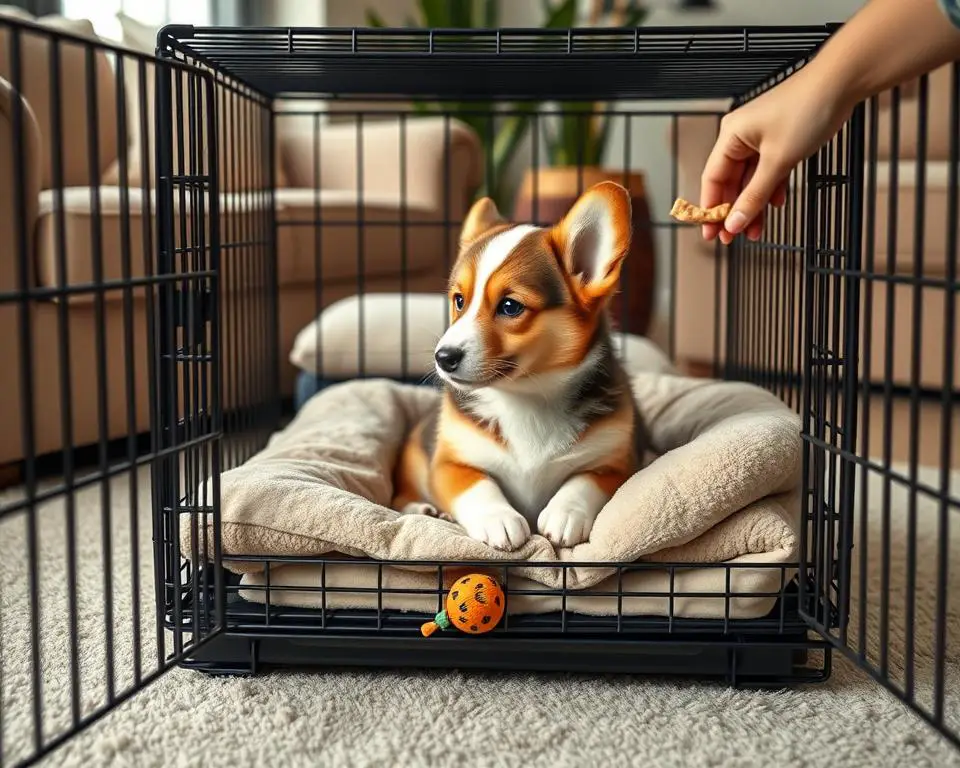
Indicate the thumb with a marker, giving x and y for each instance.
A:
(768, 175)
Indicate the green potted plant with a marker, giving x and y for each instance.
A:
(509, 130)
(575, 142)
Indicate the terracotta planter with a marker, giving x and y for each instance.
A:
(556, 190)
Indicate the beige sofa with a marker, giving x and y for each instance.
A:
(65, 326)
(696, 261)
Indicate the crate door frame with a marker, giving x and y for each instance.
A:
(189, 423)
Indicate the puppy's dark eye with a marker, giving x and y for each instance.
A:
(509, 308)
(458, 301)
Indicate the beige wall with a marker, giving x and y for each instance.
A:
(304, 13)
(352, 13)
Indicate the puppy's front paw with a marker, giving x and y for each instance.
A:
(419, 508)
(565, 526)
(501, 527)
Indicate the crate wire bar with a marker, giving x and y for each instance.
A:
(167, 341)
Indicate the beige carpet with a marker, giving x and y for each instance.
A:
(388, 718)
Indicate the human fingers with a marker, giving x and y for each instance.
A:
(711, 194)
(769, 175)
(730, 191)
(780, 195)
(721, 175)
(755, 228)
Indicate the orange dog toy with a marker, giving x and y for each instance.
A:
(474, 605)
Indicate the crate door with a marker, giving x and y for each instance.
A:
(217, 333)
(189, 406)
(881, 404)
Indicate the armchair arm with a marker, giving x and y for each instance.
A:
(431, 151)
(26, 145)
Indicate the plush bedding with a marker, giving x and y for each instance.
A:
(721, 488)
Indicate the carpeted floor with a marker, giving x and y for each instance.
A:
(359, 718)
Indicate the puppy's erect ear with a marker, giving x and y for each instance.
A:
(483, 215)
(593, 240)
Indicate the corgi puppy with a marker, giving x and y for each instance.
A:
(537, 426)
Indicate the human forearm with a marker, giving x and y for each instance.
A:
(886, 43)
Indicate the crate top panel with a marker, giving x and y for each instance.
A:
(503, 64)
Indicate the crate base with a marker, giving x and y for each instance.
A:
(742, 662)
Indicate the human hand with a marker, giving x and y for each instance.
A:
(760, 144)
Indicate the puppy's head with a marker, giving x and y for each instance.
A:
(527, 300)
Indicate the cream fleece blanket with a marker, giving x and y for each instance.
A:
(722, 488)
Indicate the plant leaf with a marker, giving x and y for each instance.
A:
(512, 132)
(600, 139)
(570, 139)
(569, 144)
(436, 13)
(491, 13)
(550, 141)
(508, 138)
(636, 15)
(562, 16)
(502, 134)
(461, 13)
(374, 19)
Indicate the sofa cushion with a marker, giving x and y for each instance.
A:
(938, 119)
(241, 134)
(936, 221)
(428, 160)
(25, 147)
(699, 321)
(139, 38)
(300, 305)
(36, 48)
(241, 124)
(355, 231)
(880, 253)
(239, 220)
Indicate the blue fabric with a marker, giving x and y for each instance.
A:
(952, 9)
(308, 385)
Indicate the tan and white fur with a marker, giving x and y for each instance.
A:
(537, 427)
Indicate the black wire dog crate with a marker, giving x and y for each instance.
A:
(219, 237)
(384, 69)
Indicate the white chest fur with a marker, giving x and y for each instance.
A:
(541, 447)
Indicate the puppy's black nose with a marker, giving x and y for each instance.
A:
(448, 358)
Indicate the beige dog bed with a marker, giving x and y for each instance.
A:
(722, 488)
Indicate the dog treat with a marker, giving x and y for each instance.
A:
(689, 213)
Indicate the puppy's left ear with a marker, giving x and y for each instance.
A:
(482, 216)
(593, 239)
